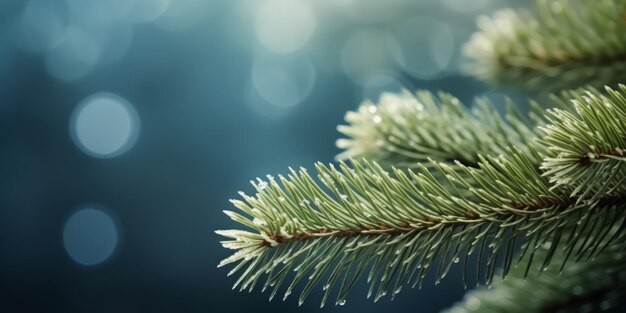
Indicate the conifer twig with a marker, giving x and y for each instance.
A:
(394, 225)
(560, 44)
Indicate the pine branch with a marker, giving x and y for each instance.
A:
(366, 219)
(561, 44)
(404, 129)
(589, 162)
(592, 285)
(395, 224)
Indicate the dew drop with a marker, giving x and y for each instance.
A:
(341, 302)
(456, 260)
(258, 221)
(287, 293)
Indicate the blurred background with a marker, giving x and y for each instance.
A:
(126, 125)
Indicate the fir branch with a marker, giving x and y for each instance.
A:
(404, 129)
(397, 226)
(362, 217)
(562, 44)
(588, 147)
(593, 285)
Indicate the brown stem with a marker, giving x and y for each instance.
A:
(404, 227)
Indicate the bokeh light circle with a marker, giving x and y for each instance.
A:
(284, 26)
(428, 46)
(74, 56)
(104, 125)
(367, 52)
(99, 11)
(42, 25)
(90, 236)
(283, 81)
